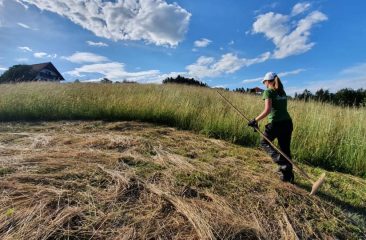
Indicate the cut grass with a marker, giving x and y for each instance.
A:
(90, 189)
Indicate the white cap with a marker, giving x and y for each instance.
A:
(269, 76)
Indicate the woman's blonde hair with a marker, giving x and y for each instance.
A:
(278, 86)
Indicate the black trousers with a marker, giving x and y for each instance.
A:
(282, 131)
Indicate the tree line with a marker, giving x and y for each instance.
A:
(183, 80)
(17, 73)
(343, 97)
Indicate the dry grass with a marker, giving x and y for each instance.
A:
(128, 180)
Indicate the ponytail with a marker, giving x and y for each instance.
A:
(279, 87)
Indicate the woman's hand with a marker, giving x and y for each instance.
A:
(253, 123)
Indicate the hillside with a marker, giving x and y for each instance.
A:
(130, 180)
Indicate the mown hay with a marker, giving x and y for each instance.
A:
(126, 180)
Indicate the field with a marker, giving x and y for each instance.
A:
(324, 135)
(133, 180)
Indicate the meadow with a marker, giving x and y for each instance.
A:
(327, 136)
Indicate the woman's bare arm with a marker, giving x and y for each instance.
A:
(266, 111)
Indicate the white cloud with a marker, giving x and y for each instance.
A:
(352, 77)
(250, 80)
(289, 39)
(281, 74)
(333, 85)
(97, 44)
(85, 57)
(44, 55)
(21, 3)
(24, 25)
(204, 42)
(154, 21)
(40, 54)
(228, 63)
(231, 42)
(359, 70)
(300, 8)
(25, 49)
(115, 71)
(294, 72)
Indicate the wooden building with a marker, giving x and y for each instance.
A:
(45, 72)
(29, 73)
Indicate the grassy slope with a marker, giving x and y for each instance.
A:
(324, 135)
(126, 180)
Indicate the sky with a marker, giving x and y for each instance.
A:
(224, 43)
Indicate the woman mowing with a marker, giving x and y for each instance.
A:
(279, 126)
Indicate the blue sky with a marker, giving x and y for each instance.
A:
(231, 43)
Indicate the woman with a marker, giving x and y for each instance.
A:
(279, 126)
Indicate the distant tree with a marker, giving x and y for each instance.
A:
(183, 80)
(349, 97)
(127, 81)
(306, 95)
(77, 81)
(322, 96)
(16, 73)
(106, 80)
(343, 97)
(240, 90)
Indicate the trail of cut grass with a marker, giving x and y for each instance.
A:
(115, 180)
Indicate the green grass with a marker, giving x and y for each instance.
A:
(6, 171)
(324, 135)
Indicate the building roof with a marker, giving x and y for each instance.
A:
(257, 89)
(36, 68)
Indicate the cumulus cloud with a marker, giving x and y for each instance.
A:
(154, 21)
(85, 57)
(25, 49)
(40, 54)
(115, 71)
(289, 39)
(204, 42)
(300, 8)
(97, 44)
(44, 55)
(228, 63)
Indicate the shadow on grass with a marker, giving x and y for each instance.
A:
(347, 207)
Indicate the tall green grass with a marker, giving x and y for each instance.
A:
(324, 135)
